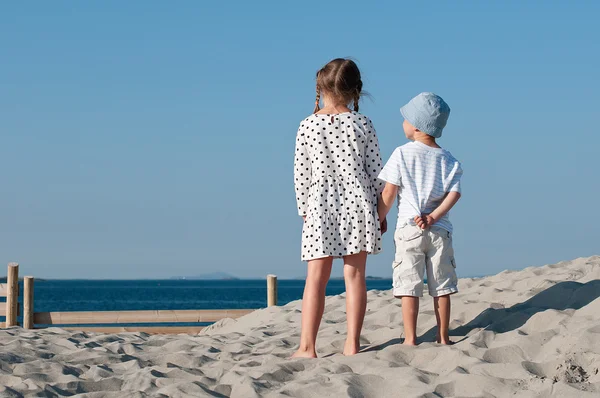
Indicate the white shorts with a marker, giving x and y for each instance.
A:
(418, 250)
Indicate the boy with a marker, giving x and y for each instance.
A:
(426, 179)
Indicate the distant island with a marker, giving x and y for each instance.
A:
(209, 276)
(368, 277)
(213, 276)
(341, 278)
(4, 279)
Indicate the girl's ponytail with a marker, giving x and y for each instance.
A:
(357, 93)
(317, 108)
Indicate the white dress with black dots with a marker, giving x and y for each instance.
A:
(336, 165)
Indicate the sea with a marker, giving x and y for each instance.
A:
(116, 295)
(119, 295)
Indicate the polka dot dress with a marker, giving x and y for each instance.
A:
(336, 165)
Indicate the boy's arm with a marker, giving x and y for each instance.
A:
(386, 199)
(393, 180)
(453, 195)
(428, 220)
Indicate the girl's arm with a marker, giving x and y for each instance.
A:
(373, 163)
(302, 173)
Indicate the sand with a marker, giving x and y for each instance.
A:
(529, 333)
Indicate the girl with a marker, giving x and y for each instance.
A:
(336, 165)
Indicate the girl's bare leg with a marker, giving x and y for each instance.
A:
(356, 299)
(313, 305)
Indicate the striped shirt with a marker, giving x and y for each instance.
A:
(424, 176)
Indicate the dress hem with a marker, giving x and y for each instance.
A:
(375, 252)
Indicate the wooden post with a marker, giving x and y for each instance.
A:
(28, 302)
(12, 294)
(271, 290)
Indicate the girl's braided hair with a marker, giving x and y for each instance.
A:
(341, 79)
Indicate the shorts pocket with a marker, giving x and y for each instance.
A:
(453, 262)
(409, 232)
(442, 233)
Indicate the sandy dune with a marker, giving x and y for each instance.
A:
(531, 333)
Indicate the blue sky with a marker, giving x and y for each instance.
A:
(150, 139)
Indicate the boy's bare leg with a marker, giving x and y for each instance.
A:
(441, 306)
(410, 311)
(356, 299)
(313, 305)
(437, 322)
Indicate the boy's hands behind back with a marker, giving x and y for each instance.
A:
(424, 221)
(427, 220)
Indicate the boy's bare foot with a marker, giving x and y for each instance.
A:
(409, 342)
(446, 342)
(304, 354)
(351, 348)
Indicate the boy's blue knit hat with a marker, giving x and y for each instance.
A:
(428, 112)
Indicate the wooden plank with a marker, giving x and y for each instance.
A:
(4, 290)
(155, 316)
(12, 296)
(28, 302)
(144, 329)
(3, 310)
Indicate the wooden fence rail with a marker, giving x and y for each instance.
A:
(118, 321)
(10, 290)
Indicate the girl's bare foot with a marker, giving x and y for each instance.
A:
(351, 348)
(409, 342)
(304, 354)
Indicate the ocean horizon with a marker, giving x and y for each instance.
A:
(55, 295)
